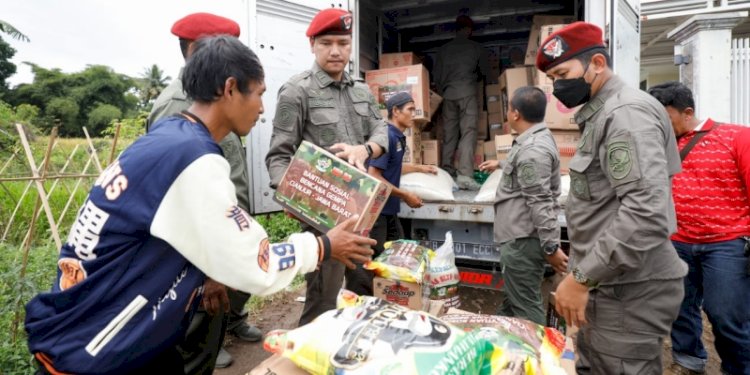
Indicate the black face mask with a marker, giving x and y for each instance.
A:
(573, 92)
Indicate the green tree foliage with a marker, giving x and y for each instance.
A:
(101, 116)
(25, 114)
(7, 68)
(152, 83)
(64, 109)
(12, 31)
(130, 128)
(53, 91)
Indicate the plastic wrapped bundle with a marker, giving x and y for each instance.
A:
(370, 336)
(403, 260)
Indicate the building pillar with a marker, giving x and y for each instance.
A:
(705, 41)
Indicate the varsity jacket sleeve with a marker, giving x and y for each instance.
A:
(199, 217)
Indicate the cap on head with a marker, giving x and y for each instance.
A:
(193, 26)
(568, 42)
(398, 100)
(330, 21)
(464, 21)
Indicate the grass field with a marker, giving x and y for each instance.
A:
(41, 268)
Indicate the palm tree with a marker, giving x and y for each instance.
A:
(12, 31)
(154, 82)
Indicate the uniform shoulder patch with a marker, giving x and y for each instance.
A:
(527, 174)
(286, 115)
(620, 159)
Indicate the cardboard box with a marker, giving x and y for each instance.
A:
(503, 143)
(513, 78)
(495, 130)
(478, 154)
(435, 101)
(277, 365)
(540, 78)
(495, 107)
(400, 293)
(482, 127)
(431, 152)
(495, 119)
(558, 116)
(566, 137)
(535, 37)
(413, 152)
(490, 152)
(413, 79)
(323, 190)
(397, 60)
(492, 90)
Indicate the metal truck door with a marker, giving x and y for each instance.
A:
(621, 22)
(276, 33)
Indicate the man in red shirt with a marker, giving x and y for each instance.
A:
(713, 223)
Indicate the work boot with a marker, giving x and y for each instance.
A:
(224, 359)
(246, 332)
(467, 183)
(676, 369)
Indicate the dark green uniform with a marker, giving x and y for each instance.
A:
(620, 217)
(313, 107)
(526, 219)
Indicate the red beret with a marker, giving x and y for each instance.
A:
(330, 21)
(195, 25)
(568, 42)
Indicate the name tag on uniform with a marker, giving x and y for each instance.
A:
(320, 103)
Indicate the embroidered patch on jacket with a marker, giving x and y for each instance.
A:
(263, 254)
(619, 159)
(240, 217)
(71, 272)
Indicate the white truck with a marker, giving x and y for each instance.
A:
(276, 32)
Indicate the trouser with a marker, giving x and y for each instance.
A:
(168, 362)
(237, 313)
(386, 228)
(323, 285)
(460, 118)
(719, 269)
(626, 327)
(523, 271)
(202, 342)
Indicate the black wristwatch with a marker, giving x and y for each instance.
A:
(580, 278)
(369, 150)
(550, 249)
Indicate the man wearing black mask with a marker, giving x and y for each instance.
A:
(625, 286)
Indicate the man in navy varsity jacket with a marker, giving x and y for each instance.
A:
(160, 220)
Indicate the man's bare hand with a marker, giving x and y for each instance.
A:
(489, 166)
(412, 200)
(347, 247)
(570, 301)
(558, 261)
(431, 169)
(354, 155)
(215, 298)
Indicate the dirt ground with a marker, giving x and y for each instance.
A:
(282, 311)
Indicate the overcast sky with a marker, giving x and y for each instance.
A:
(126, 35)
